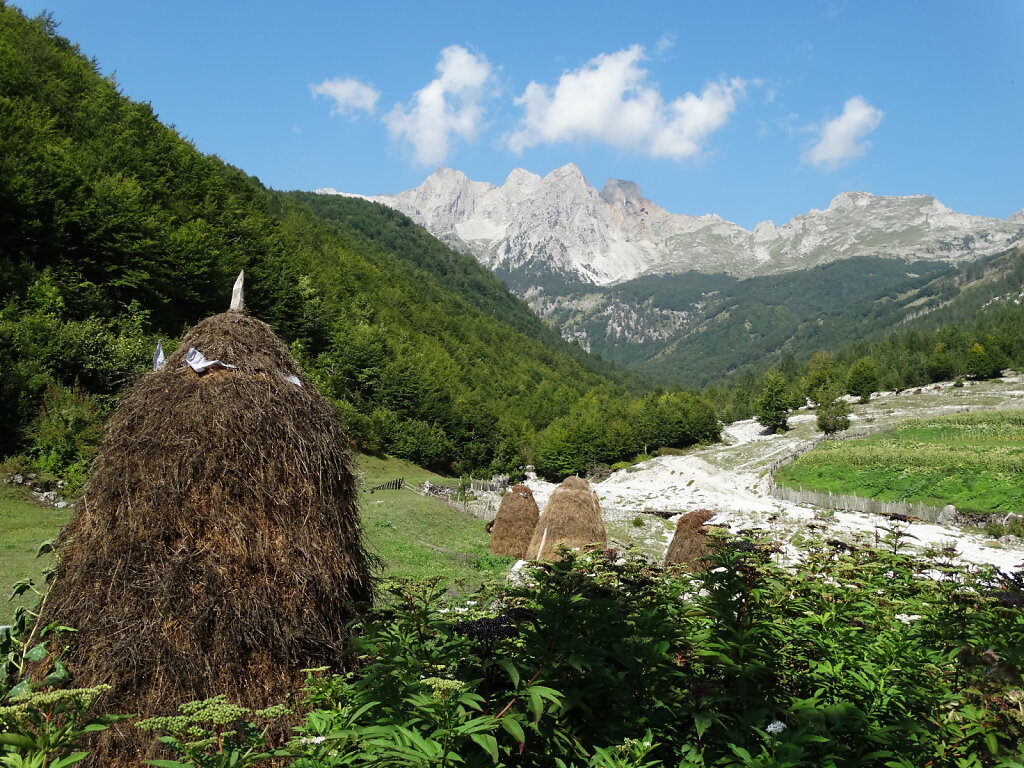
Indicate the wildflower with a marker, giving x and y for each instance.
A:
(312, 739)
(776, 726)
(907, 618)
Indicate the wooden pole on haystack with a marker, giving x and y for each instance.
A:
(216, 548)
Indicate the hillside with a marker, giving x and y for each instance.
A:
(691, 329)
(688, 300)
(115, 231)
(377, 227)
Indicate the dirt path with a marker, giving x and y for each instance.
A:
(732, 477)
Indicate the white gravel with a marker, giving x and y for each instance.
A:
(731, 478)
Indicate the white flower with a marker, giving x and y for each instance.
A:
(313, 739)
(907, 618)
(776, 726)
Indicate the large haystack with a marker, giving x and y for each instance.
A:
(217, 546)
(690, 545)
(514, 523)
(572, 517)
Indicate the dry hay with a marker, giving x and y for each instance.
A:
(572, 517)
(514, 523)
(216, 547)
(690, 546)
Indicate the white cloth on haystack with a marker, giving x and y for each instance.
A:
(158, 356)
(197, 361)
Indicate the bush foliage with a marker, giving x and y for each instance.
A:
(855, 656)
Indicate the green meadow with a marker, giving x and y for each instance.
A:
(24, 525)
(973, 460)
(413, 537)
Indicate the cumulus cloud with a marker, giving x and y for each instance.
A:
(349, 95)
(449, 106)
(842, 139)
(610, 100)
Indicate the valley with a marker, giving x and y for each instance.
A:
(732, 479)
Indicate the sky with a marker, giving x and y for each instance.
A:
(750, 110)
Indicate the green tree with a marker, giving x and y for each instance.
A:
(773, 405)
(985, 361)
(833, 416)
(862, 378)
(820, 375)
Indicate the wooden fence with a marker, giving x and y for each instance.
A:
(846, 503)
(390, 485)
(855, 504)
(497, 484)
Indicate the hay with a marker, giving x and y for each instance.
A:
(216, 547)
(572, 517)
(514, 523)
(690, 545)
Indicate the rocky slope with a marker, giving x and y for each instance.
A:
(685, 299)
(532, 227)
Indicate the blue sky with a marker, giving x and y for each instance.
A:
(752, 110)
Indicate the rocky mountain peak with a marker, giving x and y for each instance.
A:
(569, 174)
(531, 226)
(619, 192)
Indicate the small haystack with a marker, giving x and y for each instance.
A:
(217, 546)
(572, 517)
(690, 545)
(514, 523)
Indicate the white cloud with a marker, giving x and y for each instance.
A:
(842, 139)
(609, 100)
(665, 44)
(348, 94)
(449, 106)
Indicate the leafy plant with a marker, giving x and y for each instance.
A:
(44, 729)
(214, 733)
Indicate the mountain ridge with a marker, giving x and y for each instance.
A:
(560, 224)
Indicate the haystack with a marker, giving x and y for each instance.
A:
(217, 546)
(514, 523)
(572, 517)
(690, 545)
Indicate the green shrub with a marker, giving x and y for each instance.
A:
(857, 656)
(66, 433)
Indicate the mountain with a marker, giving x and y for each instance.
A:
(531, 229)
(687, 300)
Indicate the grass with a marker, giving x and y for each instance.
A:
(974, 461)
(418, 538)
(24, 525)
(414, 537)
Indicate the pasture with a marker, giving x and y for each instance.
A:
(412, 536)
(24, 525)
(973, 460)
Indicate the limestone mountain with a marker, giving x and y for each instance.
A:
(687, 299)
(532, 228)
